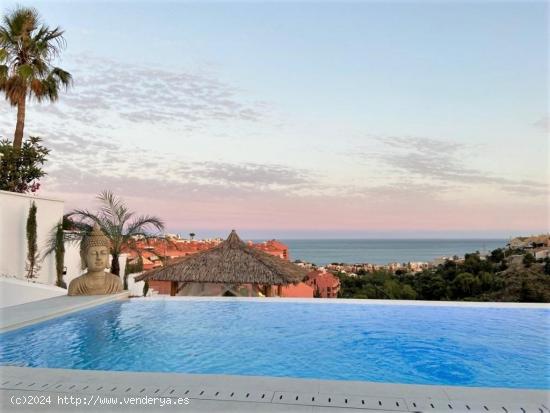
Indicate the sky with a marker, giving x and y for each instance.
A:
(304, 119)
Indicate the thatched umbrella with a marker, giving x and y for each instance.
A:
(231, 262)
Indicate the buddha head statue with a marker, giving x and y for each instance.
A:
(95, 250)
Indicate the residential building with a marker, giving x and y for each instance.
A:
(324, 284)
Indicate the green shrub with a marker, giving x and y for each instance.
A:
(528, 259)
(497, 255)
(547, 266)
(21, 169)
(466, 285)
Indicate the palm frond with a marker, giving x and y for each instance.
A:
(62, 77)
(117, 222)
(86, 219)
(51, 242)
(110, 204)
(27, 48)
(143, 223)
(71, 237)
(3, 73)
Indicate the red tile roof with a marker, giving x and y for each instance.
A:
(155, 249)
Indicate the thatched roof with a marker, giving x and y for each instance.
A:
(230, 262)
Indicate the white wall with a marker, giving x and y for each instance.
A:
(136, 287)
(72, 261)
(14, 210)
(14, 291)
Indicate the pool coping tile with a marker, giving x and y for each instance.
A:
(377, 396)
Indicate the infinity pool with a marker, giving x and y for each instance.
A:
(466, 346)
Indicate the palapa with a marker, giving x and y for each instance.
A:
(231, 262)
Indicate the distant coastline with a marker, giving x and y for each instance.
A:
(384, 251)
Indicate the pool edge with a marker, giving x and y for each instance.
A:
(358, 301)
(23, 315)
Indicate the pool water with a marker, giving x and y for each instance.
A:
(466, 346)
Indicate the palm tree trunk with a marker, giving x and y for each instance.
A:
(18, 136)
(115, 266)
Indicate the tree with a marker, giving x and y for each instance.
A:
(33, 256)
(192, 235)
(407, 292)
(487, 280)
(391, 289)
(466, 285)
(27, 48)
(21, 169)
(120, 225)
(474, 265)
(497, 255)
(528, 259)
(430, 286)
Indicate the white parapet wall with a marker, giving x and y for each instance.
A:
(14, 291)
(14, 210)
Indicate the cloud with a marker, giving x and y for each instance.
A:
(93, 159)
(78, 162)
(251, 174)
(106, 88)
(215, 194)
(439, 164)
(543, 124)
(155, 184)
(90, 155)
(70, 143)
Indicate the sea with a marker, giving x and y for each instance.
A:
(384, 251)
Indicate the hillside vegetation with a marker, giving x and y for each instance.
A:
(504, 275)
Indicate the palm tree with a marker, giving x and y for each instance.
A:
(119, 225)
(56, 245)
(27, 48)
